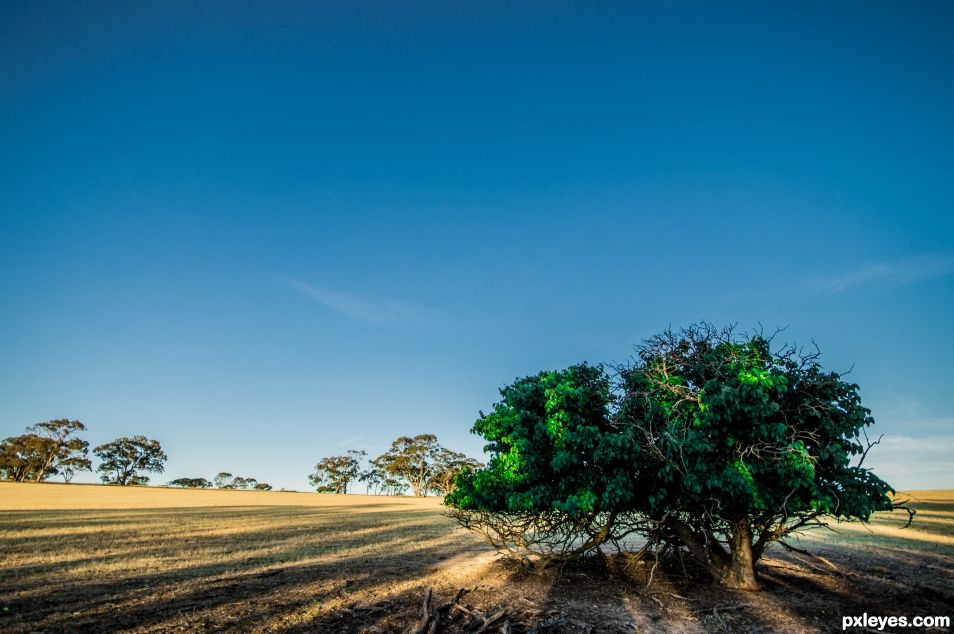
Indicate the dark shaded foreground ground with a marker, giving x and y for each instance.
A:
(800, 595)
(336, 569)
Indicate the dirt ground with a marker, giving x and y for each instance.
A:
(80, 558)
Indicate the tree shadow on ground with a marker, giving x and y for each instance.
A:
(611, 594)
(246, 579)
(291, 569)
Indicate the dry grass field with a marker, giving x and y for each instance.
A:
(96, 558)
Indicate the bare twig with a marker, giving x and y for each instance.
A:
(726, 608)
(490, 620)
(468, 611)
(832, 567)
(426, 616)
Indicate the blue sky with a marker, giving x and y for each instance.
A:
(263, 233)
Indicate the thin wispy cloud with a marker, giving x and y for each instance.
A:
(914, 463)
(352, 440)
(892, 273)
(372, 310)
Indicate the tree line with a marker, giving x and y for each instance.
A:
(224, 480)
(53, 448)
(417, 463)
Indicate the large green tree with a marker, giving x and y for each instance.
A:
(707, 441)
(123, 460)
(744, 445)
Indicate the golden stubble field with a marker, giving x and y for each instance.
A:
(97, 558)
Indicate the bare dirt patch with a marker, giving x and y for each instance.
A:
(91, 558)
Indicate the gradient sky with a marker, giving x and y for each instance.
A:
(263, 233)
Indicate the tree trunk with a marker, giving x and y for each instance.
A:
(48, 463)
(738, 573)
(734, 569)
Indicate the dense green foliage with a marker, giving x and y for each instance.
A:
(706, 441)
(763, 434)
(553, 446)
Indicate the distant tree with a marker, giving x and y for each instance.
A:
(321, 480)
(63, 448)
(447, 466)
(393, 486)
(239, 482)
(123, 459)
(262, 486)
(47, 449)
(373, 477)
(380, 481)
(334, 473)
(413, 460)
(21, 457)
(70, 466)
(226, 480)
(191, 483)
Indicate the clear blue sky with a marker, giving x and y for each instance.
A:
(263, 233)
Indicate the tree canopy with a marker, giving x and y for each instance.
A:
(123, 459)
(225, 480)
(191, 483)
(413, 460)
(47, 449)
(335, 473)
(420, 463)
(706, 441)
(378, 480)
